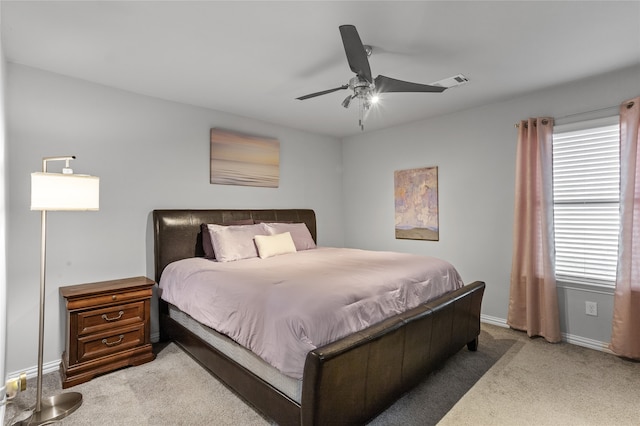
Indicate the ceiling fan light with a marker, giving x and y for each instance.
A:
(347, 101)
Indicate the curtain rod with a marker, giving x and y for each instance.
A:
(589, 112)
(582, 113)
(545, 121)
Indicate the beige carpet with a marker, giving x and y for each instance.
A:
(171, 390)
(537, 383)
(511, 380)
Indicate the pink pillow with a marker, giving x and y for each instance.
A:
(235, 242)
(300, 234)
(206, 237)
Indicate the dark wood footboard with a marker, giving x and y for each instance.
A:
(353, 379)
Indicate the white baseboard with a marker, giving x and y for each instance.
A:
(586, 343)
(566, 337)
(48, 367)
(500, 322)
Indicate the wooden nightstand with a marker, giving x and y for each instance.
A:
(108, 328)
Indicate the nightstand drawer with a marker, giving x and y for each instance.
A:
(105, 299)
(103, 344)
(109, 318)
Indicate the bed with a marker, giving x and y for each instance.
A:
(346, 381)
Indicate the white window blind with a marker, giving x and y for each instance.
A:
(586, 195)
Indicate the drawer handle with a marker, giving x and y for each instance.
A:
(106, 318)
(113, 343)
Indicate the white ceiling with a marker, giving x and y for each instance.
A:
(254, 58)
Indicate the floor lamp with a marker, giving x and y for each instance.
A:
(57, 192)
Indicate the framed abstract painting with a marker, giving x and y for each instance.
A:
(416, 204)
(245, 160)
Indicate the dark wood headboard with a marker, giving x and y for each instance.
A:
(176, 233)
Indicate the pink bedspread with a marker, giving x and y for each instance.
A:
(283, 307)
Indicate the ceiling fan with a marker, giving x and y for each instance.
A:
(365, 88)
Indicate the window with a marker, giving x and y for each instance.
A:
(586, 197)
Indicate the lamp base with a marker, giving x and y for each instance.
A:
(54, 408)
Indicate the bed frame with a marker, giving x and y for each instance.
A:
(349, 381)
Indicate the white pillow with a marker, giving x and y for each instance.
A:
(235, 242)
(299, 233)
(274, 245)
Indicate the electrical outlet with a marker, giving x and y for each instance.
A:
(591, 308)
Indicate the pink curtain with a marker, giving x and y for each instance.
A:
(625, 336)
(533, 300)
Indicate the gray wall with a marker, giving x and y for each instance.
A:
(475, 154)
(149, 154)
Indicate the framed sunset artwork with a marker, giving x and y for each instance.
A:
(416, 204)
(245, 160)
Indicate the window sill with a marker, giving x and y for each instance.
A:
(585, 286)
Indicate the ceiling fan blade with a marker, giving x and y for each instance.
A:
(388, 84)
(324, 92)
(356, 55)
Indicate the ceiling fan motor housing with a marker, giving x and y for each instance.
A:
(361, 87)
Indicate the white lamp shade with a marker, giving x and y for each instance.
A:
(56, 191)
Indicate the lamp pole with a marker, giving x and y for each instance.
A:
(58, 406)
